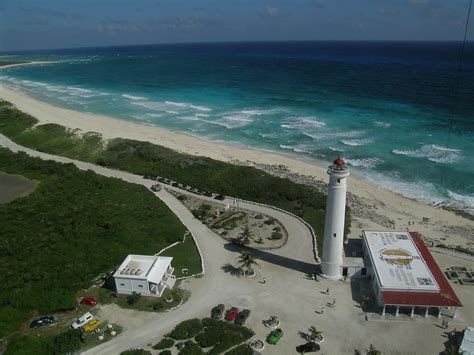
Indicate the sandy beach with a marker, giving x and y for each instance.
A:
(373, 207)
(23, 64)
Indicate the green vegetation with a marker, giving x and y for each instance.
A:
(247, 261)
(53, 240)
(164, 344)
(10, 62)
(133, 298)
(218, 334)
(190, 348)
(136, 352)
(243, 349)
(145, 158)
(187, 329)
(64, 343)
(183, 259)
(152, 304)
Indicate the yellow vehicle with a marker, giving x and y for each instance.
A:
(92, 325)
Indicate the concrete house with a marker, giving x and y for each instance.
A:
(147, 275)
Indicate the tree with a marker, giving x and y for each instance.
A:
(373, 350)
(247, 261)
(245, 235)
(133, 298)
(314, 334)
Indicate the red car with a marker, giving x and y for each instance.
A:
(89, 301)
(232, 313)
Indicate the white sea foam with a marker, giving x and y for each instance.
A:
(432, 152)
(464, 200)
(364, 163)
(270, 135)
(382, 124)
(132, 97)
(171, 112)
(356, 142)
(201, 115)
(335, 149)
(188, 105)
(303, 122)
(157, 115)
(420, 190)
(298, 148)
(151, 105)
(256, 112)
(326, 135)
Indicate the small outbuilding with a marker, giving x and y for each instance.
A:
(143, 274)
(405, 275)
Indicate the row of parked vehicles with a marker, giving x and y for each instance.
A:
(188, 188)
(49, 320)
(233, 314)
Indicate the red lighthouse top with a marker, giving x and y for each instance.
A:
(339, 162)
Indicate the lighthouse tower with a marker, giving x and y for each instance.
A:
(331, 261)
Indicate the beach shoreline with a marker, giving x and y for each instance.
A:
(8, 66)
(373, 207)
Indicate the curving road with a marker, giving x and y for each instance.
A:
(283, 269)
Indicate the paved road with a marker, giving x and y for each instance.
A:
(280, 267)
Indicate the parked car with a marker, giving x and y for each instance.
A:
(274, 336)
(308, 348)
(92, 325)
(155, 188)
(231, 314)
(89, 301)
(41, 321)
(220, 197)
(82, 321)
(242, 317)
(217, 311)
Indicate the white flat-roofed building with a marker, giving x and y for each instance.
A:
(147, 275)
(404, 273)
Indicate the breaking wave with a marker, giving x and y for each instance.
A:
(132, 97)
(356, 142)
(432, 152)
(364, 162)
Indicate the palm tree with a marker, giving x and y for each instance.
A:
(314, 334)
(245, 235)
(246, 261)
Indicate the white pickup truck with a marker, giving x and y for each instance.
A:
(82, 321)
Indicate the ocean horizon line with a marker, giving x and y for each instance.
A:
(338, 41)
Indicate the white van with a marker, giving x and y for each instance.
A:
(82, 321)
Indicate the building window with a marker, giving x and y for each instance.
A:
(334, 235)
(140, 285)
(338, 181)
(122, 284)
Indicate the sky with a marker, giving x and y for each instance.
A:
(45, 24)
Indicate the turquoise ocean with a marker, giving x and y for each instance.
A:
(397, 112)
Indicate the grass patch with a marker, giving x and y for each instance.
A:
(185, 256)
(53, 240)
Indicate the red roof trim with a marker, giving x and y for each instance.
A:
(445, 297)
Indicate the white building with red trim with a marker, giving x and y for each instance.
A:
(405, 275)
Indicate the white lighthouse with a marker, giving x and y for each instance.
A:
(331, 262)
